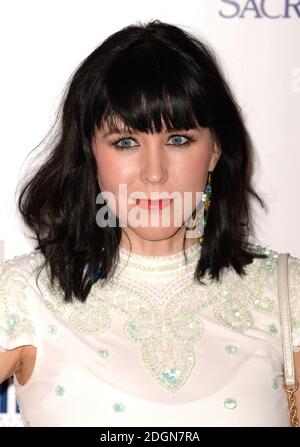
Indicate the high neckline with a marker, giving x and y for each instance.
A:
(159, 263)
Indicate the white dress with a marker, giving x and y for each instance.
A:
(153, 347)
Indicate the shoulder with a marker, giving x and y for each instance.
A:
(14, 275)
(19, 272)
(21, 265)
(270, 264)
(17, 326)
(261, 272)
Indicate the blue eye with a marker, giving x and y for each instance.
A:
(123, 146)
(123, 140)
(177, 138)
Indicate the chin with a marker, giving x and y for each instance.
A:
(155, 233)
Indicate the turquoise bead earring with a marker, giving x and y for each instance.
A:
(207, 199)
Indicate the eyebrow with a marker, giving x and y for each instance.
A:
(123, 130)
(117, 131)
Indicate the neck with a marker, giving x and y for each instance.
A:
(162, 247)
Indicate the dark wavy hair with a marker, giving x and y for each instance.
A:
(145, 74)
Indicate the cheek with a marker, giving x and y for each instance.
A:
(191, 173)
(111, 170)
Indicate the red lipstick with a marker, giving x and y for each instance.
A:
(154, 204)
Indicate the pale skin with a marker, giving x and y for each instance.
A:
(154, 164)
(158, 162)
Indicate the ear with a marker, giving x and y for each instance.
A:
(216, 154)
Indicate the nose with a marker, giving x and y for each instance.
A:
(154, 165)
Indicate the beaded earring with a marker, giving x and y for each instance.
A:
(207, 199)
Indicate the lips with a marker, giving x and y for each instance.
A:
(154, 204)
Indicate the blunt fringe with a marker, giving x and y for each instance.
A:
(146, 75)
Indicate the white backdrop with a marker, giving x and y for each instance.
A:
(256, 41)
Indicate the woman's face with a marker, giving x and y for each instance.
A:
(173, 163)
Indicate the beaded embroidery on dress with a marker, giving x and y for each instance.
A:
(162, 306)
(152, 345)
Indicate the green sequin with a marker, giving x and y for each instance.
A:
(103, 353)
(118, 407)
(273, 329)
(171, 375)
(132, 327)
(275, 383)
(59, 390)
(11, 322)
(230, 349)
(230, 403)
(52, 329)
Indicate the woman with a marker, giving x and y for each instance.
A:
(116, 321)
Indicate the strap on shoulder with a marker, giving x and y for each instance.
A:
(285, 318)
